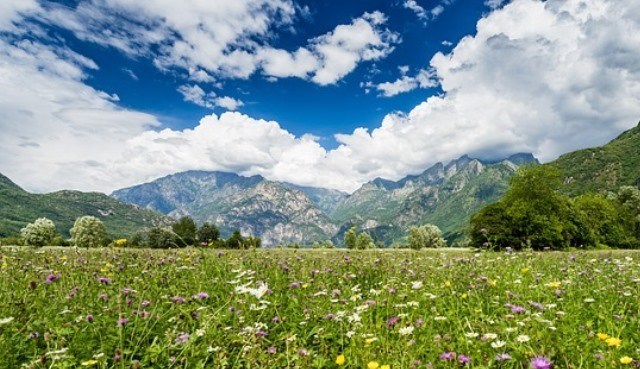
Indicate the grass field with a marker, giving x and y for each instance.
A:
(113, 308)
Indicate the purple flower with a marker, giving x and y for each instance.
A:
(502, 357)
(303, 352)
(178, 299)
(448, 356)
(537, 305)
(34, 335)
(261, 333)
(145, 303)
(103, 296)
(392, 321)
(104, 280)
(89, 318)
(518, 309)
(201, 296)
(52, 278)
(182, 338)
(541, 362)
(598, 357)
(272, 350)
(464, 359)
(127, 290)
(295, 285)
(122, 322)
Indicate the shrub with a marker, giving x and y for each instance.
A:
(236, 241)
(426, 236)
(39, 233)
(88, 231)
(185, 230)
(207, 234)
(364, 241)
(351, 238)
(161, 238)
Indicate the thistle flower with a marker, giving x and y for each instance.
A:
(541, 362)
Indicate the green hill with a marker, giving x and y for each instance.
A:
(19, 207)
(602, 169)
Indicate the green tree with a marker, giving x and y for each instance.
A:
(603, 221)
(185, 230)
(364, 241)
(39, 233)
(351, 238)
(208, 233)
(236, 241)
(161, 238)
(88, 231)
(530, 214)
(426, 236)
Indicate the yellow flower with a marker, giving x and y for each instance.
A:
(626, 360)
(612, 341)
(524, 270)
(447, 283)
(373, 365)
(385, 366)
(602, 336)
(340, 360)
(555, 284)
(369, 341)
(89, 362)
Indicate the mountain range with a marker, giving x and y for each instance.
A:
(280, 213)
(285, 213)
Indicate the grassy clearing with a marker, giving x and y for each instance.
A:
(110, 308)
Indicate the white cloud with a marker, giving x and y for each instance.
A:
(12, 11)
(419, 10)
(493, 4)
(58, 132)
(196, 95)
(223, 39)
(423, 79)
(545, 77)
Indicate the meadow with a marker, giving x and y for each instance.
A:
(199, 308)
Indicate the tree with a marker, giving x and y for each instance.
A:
(185, 230)
(236, 241)
(530, 214)
(364, 241)
(39, 233)
(603, 221)
(161, 238)
(426, 236)
(208, 233)
(88, 231)
(351, 238)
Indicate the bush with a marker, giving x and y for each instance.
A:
(161, 238)
(364, 241)
(236, 241)
(351, 238)
(88, 231)
(39, 233)
(426, 236)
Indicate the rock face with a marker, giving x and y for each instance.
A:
(279, 213)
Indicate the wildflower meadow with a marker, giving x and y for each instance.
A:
(203, 308)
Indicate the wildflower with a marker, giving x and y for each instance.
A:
(122, 322)
(340, 360)
(385, 366)
(89, 318)
(448, 356)
(89, 362)
(502, 357)
(272, 350)
(489, 336)
(541, 362)
(182, 338)
(52, 278)
(464, 359)
(104, 280)
(373, 365)
(416, 285)
(602, 336)
(612, 341)
(392, 321)
(555, 284)
(6, 320)
(201, 296)
(200, 332)
(178, 299)
(626, 360)
(518, 309)
(522, 338)
(145, 303)
(498, 344)
(405, 331)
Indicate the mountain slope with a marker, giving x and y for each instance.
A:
(442, 195)
(604, 168)
(19, 207)
(275, 212)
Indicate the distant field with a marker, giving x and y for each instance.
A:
(110, 308)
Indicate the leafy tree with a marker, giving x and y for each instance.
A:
(364, 241)
(327, 244)
(39, 233)
(426, 236)
(603, 221)
(88, 231)
(351, 238)
(208, 233)
(185, 230)
(236, 241)
(253, 242)
(160, 238)
(530, 214)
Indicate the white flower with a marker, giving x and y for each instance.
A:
(498, 344)
(416, 285)
(471, 335)
(405, 331)
(6, 320)
(589, 300)
(523, 338)
(200, 332)
(489, 336)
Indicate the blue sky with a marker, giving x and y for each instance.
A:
(103, 94)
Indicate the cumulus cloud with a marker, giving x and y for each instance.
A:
(428, 15)
(196, 95)
(425, 78)
(224, 39)
(540, 76)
